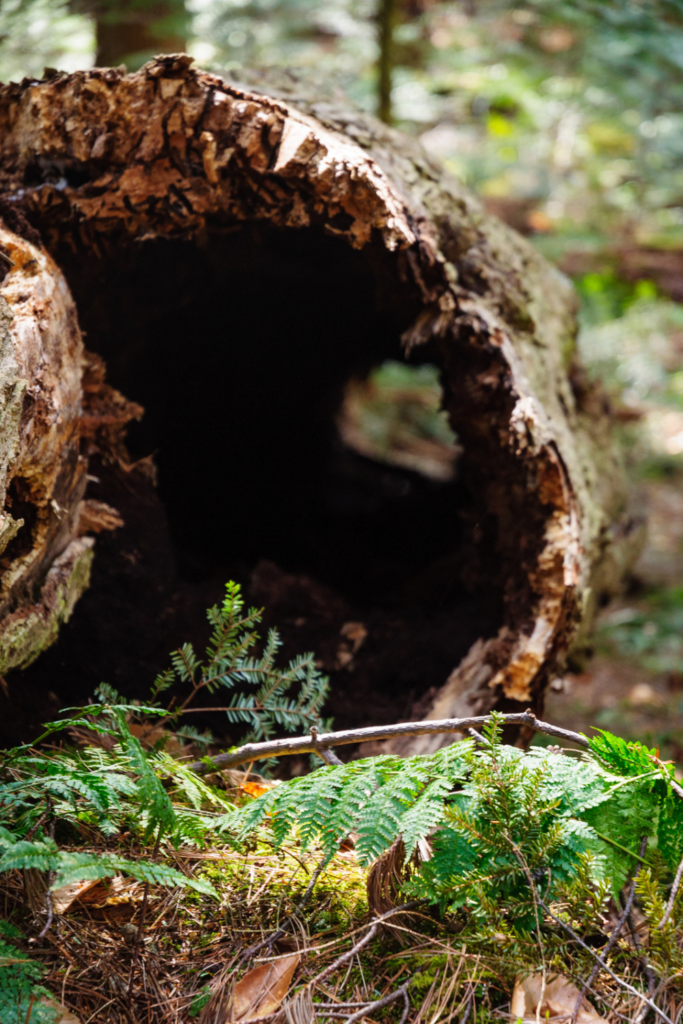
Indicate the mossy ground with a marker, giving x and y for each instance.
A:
(193, 947)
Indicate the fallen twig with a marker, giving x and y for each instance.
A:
(313, 744)
(369, 935)
(323, 752)
(400, 993)
(672, 897)
(615, 933)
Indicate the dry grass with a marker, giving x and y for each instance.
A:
(192, 944)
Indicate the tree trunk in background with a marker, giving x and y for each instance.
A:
(100, 162)
(386, 16)
(130, 32)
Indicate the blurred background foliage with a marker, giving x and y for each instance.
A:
(568, 110)
(565, 116)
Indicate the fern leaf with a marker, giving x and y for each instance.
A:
(425, 814)
(74, 867)
(41, 855)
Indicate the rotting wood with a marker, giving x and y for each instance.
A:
(100, 158)
(46, 427)
(45, 565)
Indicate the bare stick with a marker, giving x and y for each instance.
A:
(48, 900)
(591, 952)
(307, 745)
(615, 933)
(369, 935)
(672, 897)
(468, 1006)
(400, 993)
(323, 752)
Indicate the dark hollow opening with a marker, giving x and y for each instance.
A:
(239, 348)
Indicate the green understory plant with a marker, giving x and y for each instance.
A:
(289, 699)
(119, 787)
(21, 994)
(500, 835)
(479, 802)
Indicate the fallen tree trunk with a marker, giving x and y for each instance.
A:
(236, 255)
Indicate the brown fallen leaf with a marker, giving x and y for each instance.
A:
(97, 892)
(558, 1001)
(261, 991)
(63, 1015)
(63, 897)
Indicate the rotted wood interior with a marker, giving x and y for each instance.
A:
(238, 349)
(235, 258)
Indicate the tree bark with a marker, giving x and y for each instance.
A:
(99, 160)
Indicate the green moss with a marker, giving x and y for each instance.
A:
(27, 635)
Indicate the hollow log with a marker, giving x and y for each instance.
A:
(236, 254)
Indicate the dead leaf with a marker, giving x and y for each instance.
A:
(255, 788)
(64, 1015)
(63, 897)
(98, 892)
(559, 1000)
(261, 991)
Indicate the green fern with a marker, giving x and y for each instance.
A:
(641, 802)
(370, 797)
(495, 817)
(20, 989)
(290, 699)
(146, 792)
(121, 784)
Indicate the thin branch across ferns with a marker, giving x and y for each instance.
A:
(318, 744)
(313, 744)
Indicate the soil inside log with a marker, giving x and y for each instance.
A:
(239, 349)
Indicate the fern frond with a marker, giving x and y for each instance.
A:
(74, 867)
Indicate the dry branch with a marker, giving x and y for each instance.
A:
(322, 742)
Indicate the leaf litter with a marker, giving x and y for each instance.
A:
(198, 955)
(554, 1000)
